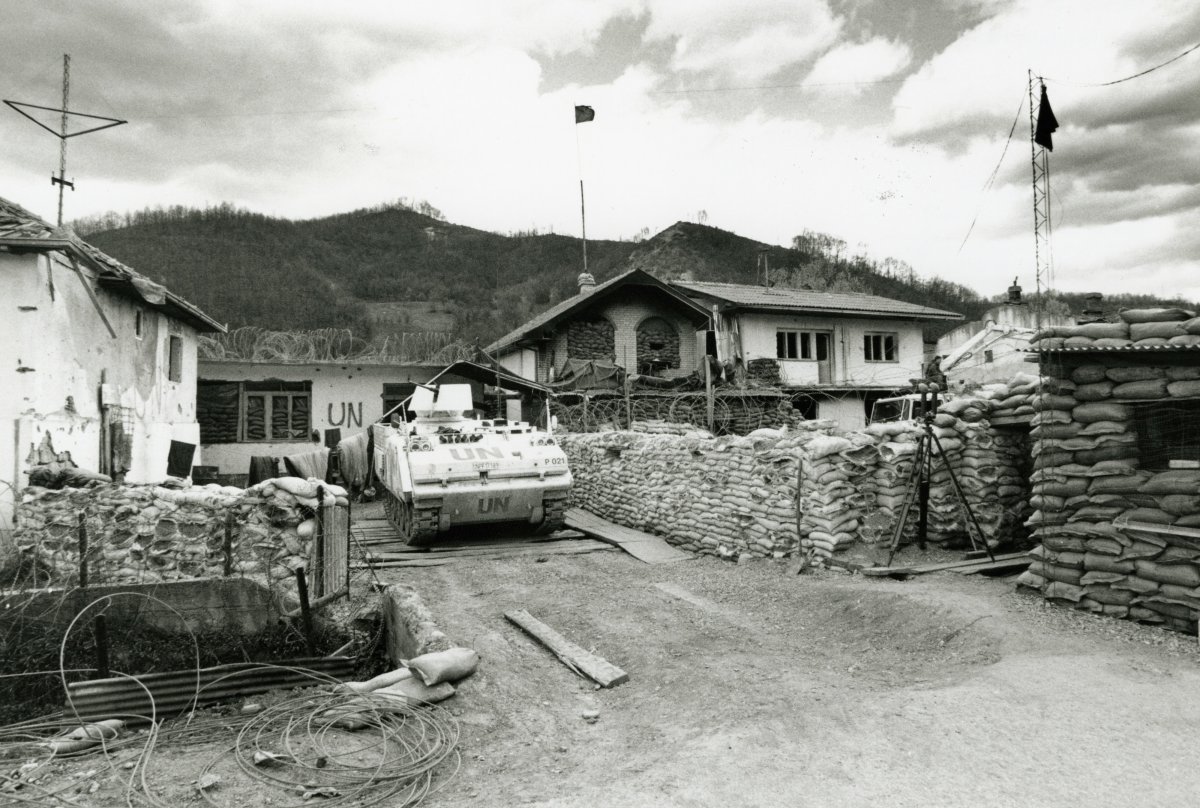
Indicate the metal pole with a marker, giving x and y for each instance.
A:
(62, 141)
(583, 218)
(923, 486)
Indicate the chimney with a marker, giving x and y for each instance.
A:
(1014, 294)
(586, 282)
(1093, 308)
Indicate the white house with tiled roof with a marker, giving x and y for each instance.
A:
(839, 351)
(94, 357)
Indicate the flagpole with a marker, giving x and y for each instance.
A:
(582, 205)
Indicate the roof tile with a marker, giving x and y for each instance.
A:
(818, 302)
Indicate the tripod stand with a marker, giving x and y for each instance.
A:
(918, 482)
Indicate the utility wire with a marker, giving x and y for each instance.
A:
(995, 172)
(1129, 78)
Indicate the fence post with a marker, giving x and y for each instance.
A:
(83, 549)
(100, 630)
(305, 610)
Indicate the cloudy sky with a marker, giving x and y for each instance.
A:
(878, 121)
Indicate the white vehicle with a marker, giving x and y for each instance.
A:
(444, 469)
(900, 408)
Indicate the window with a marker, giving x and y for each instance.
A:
(175, 358)
(1167, 434)
(988, 357)
(276, 411)
(230, 412)
(880, 348)
(139, 324)
(802, 345)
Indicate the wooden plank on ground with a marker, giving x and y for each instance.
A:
(437, 559)
(599, 670)
(999, 566)
(642, 546)
(577, 545)
(955, 566)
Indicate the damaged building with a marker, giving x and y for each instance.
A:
(100, 361)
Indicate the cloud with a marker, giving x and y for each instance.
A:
(875, 59)
(746, 41)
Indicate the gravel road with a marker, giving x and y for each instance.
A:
(749, 686)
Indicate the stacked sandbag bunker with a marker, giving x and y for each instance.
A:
(1096, 479)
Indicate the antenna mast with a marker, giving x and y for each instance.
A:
(1040, 162)
(62, 134)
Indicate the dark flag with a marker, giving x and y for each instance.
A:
(1046, 123)
(584, 114)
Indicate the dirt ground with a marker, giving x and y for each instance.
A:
(759, 688)
(750, 686)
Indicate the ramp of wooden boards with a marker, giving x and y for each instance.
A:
(642, 546)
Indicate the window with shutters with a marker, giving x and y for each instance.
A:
(881, 347)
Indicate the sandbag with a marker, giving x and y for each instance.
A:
(1118, 484)
(1100, 411)
(1141, 331)
(1179, 504)
(1089, 374)
(1181, 481)
(1178, 574)
(1154, 516)
(1133, 374)
(1105, 428)
(1149, 389)
(1097, 391)
(1101, 330)
(444, 666)
(1165, 315)
(412, 692)
(1051, 401)
(1184, 389)
(1115, 452)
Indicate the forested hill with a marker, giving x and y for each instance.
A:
(343, 271)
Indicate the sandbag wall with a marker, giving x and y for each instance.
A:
(733, 496)
(1089, 481)
(728, 496)
(146, 534)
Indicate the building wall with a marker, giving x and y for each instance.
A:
(344, 396)
(1010, 329)
(846, 346)
(54, 353)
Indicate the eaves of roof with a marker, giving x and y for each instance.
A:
(565, 308)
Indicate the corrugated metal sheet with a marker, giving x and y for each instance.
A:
(1132, 347)
(175, 691)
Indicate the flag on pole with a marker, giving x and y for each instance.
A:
(1046, 123)
(584, 114)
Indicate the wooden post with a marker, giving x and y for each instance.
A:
(228, 544)
(83, 549)
(100, 630)
(585, 413)
(305, 610)
(317, 552)
(628, 405)
(708, 393)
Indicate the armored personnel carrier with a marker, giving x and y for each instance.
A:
(442, 468)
